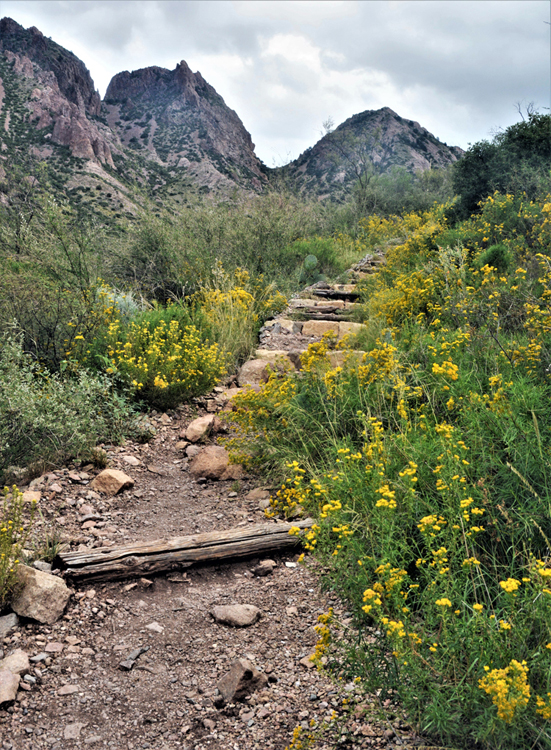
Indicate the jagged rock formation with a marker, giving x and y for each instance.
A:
(73, 78)
(177, 118)
(379, 137)
(168, 131)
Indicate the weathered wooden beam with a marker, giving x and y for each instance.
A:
(146, 558)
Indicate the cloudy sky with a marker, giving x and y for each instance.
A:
(458, 67)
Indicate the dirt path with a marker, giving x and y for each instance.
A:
(81, 697)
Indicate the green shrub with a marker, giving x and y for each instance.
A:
(425, 461)
(161, 358)
(14, 530)
(45, 418)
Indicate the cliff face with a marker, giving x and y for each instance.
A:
(378, 137)
(57, 91)
(72, 76)
(178, 119)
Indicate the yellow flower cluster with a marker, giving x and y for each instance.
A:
(508, 688)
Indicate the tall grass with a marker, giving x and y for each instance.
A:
(427, 463)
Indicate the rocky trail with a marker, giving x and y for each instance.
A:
(214, 655)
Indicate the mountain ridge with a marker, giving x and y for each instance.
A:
(170, 133)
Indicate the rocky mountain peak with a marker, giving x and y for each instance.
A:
(72, 76)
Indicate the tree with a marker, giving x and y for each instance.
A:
(517, 160)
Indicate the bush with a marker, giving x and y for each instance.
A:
(162, 359)
(425, 461)
(45, 418)
(14, 530)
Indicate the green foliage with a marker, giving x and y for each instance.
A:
(518, 160)
(161, 358)
(426, 461)
(14, 530)
(46, 419)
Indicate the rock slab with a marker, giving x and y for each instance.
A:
(112, 481)
(242, 680)
(236, 615)
(40, 596)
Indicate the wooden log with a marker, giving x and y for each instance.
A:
(146, 558)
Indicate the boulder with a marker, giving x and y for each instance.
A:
(16, 663)
(111, 481)
(199, 428)
(242, 680)
(275, 356)
(213, 462)
(236, 615)
(39, 595)
(264, 568)
(9, 683)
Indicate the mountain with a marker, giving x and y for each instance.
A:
(166, 134)
(378, 138)
(177, 119)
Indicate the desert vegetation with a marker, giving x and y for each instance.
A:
(424, 458)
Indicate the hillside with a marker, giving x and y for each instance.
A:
(375, 138)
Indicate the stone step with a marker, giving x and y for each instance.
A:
(338, 293)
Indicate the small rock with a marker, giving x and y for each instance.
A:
(155, 627)
(290, 565)
(54, 647)
(193, 450)
(43, 566)
(68, 690)
(258, 494)
(111, 481)
(42, 656)
(181, 445)
(199, 428)
(242, 680)
(209, 724)
(264, 568)
(40, 596)
(9, 683)
(213, 462)
(291, 611)
(307, 662)
(165, 419)
(131, 460)
(16, 663)
(31, 496)
(236, 615)
(7, 623)
(57, 488)
(72, 731)
(86, 510)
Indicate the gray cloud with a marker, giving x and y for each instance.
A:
(456, 67)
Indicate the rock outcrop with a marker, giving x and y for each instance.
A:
(176, 117)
